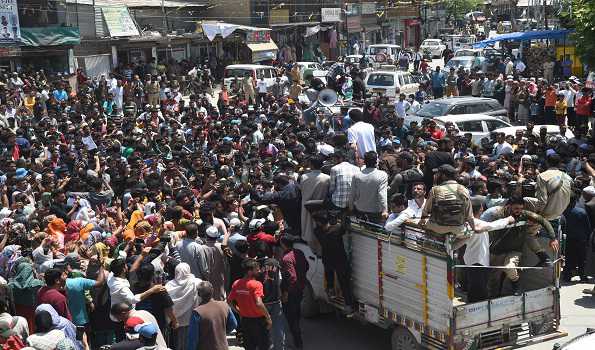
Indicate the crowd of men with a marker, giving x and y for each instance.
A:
(140, 214)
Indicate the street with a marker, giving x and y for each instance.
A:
(332, 332)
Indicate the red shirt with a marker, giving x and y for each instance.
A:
(244, 292)
(56, 299)
(582, 106)
(550, 98)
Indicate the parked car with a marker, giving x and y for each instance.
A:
(238, 71)
(461, 105)
(432, 48)
(382, 53)
(309, 70)
(468, 52)
(467, 62)
(387, 83)
(478, 125)
(552, 130)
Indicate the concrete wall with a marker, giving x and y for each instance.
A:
(230, 11)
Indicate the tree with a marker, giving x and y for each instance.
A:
(580, 16)
(458, 8)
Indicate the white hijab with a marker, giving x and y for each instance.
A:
(183, 291)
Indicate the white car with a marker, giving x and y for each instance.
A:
(382, 53)
(309, 70)
(478, 125)
(552, 130)
(469, 52)
(236, 72)
(390, 83)
(432, 47)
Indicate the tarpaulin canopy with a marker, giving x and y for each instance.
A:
(522, 36)
(50, 36)
(212, 29)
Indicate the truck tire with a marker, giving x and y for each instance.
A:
(402, 339)
(310, 307)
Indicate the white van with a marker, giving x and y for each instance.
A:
(384, 52)
(388, 83)
(238, 71)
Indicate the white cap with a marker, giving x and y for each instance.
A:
(590, 190)
(235, 222)
(212, 232)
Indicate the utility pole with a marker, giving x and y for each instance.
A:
(545, 14)
(164, 17)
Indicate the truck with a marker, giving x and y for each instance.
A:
(407, 283)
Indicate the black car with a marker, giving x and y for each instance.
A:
(462, 105)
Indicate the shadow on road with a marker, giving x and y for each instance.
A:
(586, 301)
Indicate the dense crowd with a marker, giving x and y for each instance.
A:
(145, 210)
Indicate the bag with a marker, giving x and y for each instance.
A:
(449, 207)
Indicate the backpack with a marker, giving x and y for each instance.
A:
(449, 207)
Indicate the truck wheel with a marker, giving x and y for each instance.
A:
(402, 339)
(310, 307)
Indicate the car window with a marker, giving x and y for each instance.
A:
(495, 124)
(433, 109)
(379, 79)
(401, 81)
(457, 109)
(232, 73)
(470, 126)
(477, 108)
(407, 78)
(273, 73)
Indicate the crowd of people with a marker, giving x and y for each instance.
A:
(138, 213)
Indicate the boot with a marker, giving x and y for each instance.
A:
(544, 260)
(516, 288)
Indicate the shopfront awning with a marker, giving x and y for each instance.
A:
(263, 51)
(523, 36)
(50, 36)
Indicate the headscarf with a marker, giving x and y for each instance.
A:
(24, 277)
(136, 216)
(93, 238)
(56, 229)
(85, 213)
(183, 290)
(73, 230)
(60, 323)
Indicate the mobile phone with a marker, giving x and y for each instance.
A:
(80, 330)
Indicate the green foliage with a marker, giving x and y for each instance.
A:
(582, 19)
(458, 8)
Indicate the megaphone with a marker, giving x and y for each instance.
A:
(327, 97)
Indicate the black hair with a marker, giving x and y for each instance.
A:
(191, 230)
(249, 264)
(52, 276)
(205, 291)
(356, 115)
(371, 159)
(316, 162)
(146, 272)
(553, 160)
(515, 199)
(398, 199)
(43, 321)
(117, 266)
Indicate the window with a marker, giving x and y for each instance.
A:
(407, 78)
(239, 73)
(495, 124)
(458, 109)
(470, 126)
(381, 79)
(401, 80)
(477, 108)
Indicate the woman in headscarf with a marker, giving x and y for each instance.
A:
(183, 290)
(10, 327)
(136, 217)
(24, 287)
(56, 229)
(59, 323)
(47, 336)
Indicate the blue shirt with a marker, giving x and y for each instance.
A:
(577, 225)
(60, 95)
(77, 304)
(438, 79)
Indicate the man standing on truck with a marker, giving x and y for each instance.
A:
(413, 210)
(369, 191)
(448, 206)
(506, 249)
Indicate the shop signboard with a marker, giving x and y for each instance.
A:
(258, 36)
(279, 16)
(10, 31)
(118, 21)
(330, 14)
(368, 8)
(354, 24)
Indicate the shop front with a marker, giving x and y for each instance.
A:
(412, 34)
(354, 35)
(48, 48)
(263, 52)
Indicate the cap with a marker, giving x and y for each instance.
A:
(550, 152)
(255, 224)
(132, 322)
(147, 330)
(74, 260)
(446, 169)
(21, 173)
(212, 232)
(6, 324)
(235, 222)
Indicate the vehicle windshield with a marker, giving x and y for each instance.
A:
(430, 43)
(464, 53)
(464, 62)
(374, 50)
(433, 109)
(232, 73)
(378, 79)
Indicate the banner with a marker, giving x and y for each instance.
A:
(332, 14)
(10, 31)
(118, 21)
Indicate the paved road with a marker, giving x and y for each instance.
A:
(331, 332)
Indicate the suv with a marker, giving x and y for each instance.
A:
(461, 105)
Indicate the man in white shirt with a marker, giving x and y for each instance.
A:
(414, 208)
(402, 106)
(569, 96)
(477, 252)
(261, 87)
(501, 147)
(361, 134)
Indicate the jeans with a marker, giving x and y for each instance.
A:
(279, 325)
(256, 334)
(292, 310)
